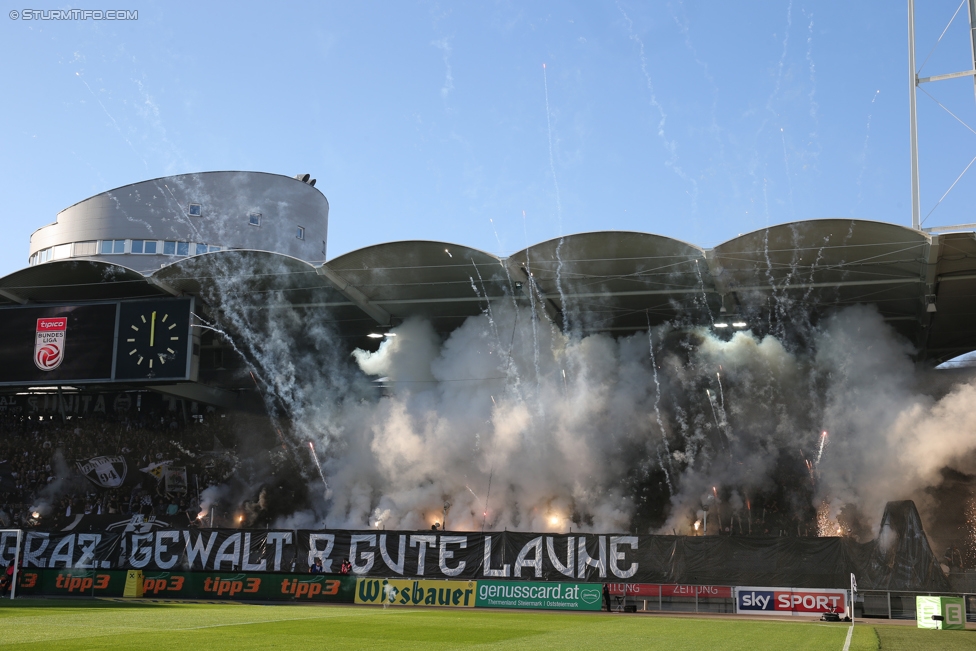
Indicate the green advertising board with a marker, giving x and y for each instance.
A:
(940, 612)
(536, 594)
(236, 586)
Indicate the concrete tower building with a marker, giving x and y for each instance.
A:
(147, 225)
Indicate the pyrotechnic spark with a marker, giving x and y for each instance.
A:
(971, 530)
(823, 443)
(318, 466)
(827, 527)
(552, 160)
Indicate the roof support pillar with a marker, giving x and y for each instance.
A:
(13, 297)
(531, 290)
(363, 302)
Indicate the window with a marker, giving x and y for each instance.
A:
(169, 248)
(195, 210)
(300, 233)
(182, 248)
(62, 251)
(200, 248)
(137, 246)
(150, 246)
(113, 246)
(254, 218)
(214, 248)
(323, 248)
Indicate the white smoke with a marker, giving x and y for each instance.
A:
(564, 445)
(510, 423)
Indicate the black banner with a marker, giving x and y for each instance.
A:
(446, 555)
(712, 560)
(218, 550)
(95, 550)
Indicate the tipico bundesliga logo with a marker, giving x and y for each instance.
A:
(49, 342)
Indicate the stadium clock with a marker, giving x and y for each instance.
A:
(153, 340)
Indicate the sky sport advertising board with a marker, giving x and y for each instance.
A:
(541, 595)
(789, 601)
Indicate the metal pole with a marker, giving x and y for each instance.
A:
(913, 121)
(972, 36)
(13, 586)
(889, 604)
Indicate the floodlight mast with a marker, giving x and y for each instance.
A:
(915, 80)
(913, 121)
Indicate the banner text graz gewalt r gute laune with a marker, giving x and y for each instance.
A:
(409, 554)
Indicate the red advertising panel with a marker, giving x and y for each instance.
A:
(668, 590)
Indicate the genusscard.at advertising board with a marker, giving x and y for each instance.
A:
(541, 595)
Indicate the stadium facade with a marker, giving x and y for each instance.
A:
(178, 235)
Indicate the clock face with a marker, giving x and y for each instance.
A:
(153, 339)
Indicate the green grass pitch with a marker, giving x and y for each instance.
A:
(60, 624)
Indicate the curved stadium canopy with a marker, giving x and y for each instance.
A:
(617, 282)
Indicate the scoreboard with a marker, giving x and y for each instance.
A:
(130, 341)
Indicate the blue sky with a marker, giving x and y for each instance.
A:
(422, 120)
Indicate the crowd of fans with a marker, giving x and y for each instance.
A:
(39, 455)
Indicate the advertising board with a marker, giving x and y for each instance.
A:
(943, 613)
(669, 590)
(403, 592)
(789, 601)
(52, 344)
(237, 586)
(542, 595)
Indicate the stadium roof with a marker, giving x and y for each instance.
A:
(610, 281)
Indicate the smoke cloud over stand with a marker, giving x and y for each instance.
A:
(507, 422)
